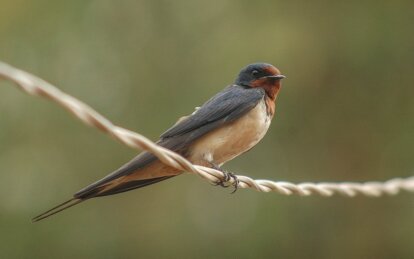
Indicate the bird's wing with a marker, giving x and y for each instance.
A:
(226, 106)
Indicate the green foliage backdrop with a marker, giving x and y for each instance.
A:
(344, 114)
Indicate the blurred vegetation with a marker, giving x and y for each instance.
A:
(345, 114)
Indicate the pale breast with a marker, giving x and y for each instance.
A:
(229, 141)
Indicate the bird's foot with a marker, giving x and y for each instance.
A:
(235, 184)
(226, 181)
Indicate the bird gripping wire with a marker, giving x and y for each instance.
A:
(37, 87)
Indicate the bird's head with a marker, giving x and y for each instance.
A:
(261, 75)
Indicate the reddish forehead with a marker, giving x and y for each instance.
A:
(272, 70)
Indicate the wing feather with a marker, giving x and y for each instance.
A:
(229, 104)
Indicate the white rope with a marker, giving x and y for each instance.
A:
(38, 87)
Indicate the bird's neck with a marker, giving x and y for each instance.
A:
(271, 91)
(270, 106)
(271, 87)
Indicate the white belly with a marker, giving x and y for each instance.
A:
(229, 141)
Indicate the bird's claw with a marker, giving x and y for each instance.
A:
(227, 178)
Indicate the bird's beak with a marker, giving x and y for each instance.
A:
(276, 77)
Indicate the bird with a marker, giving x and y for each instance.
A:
(226, 126)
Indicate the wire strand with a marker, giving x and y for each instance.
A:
(35, 86)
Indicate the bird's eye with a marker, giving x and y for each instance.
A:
(255, 72)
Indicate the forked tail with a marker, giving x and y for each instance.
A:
(98, 191)
(67, 204)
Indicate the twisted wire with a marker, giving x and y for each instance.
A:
(37, 87)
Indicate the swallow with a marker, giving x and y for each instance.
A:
(227, 125)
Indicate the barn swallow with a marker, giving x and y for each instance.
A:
(227, 125)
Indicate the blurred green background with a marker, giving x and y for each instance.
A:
(344, 114)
